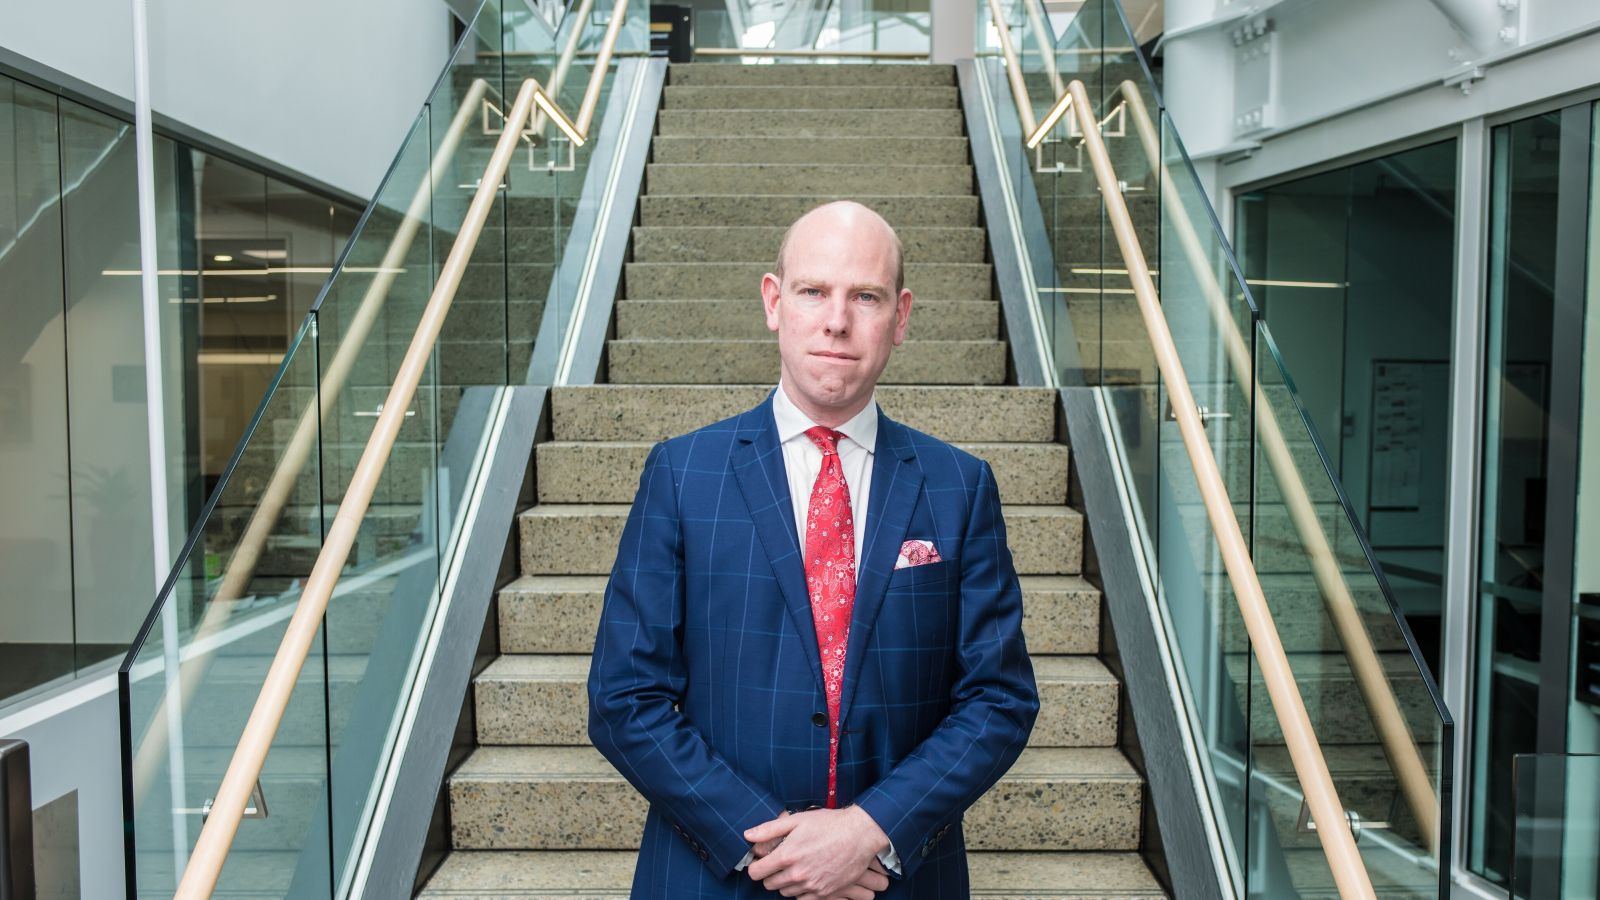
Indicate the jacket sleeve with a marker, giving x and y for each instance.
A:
(993, 702)
(638, 678)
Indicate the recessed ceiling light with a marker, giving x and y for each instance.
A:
(222, 257)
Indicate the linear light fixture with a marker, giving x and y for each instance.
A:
(1268, 282)
(1056, 112)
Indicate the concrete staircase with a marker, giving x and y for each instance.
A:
(741, 151)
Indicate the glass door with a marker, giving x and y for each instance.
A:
(1540, 245)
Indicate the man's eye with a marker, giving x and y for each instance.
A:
(811, 292)
(867, 298)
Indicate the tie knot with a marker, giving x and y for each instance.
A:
(825, 438)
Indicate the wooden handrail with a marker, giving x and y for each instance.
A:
(1399, 744)
(216, 838)
(558, 76)
(1019, 90)
(1305, 752)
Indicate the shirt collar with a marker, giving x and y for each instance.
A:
(862, 428)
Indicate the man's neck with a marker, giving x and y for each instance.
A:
(828, 417)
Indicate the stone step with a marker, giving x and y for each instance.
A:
(781, 209)
(934, 320)
(581, 539)
(742, 362)
(822, 97)
(618, 412)
(871, 74)
(950, 151)
(608, 471)
(910, 124)
(548, 798)
(737, 281)
(540, 699)
(559, 613)
(608, 874)
(787, 178)
(723, 243)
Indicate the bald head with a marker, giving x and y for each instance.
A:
(842, 215)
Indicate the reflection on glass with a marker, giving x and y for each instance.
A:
(1556, 842)
(1353, 270)
(36, 622)
(1516, 436)
(896, 27)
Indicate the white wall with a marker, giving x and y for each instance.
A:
(1346, 76)
(325, 89)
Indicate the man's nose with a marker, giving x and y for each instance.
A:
(837, 320)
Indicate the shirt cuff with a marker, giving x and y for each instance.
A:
(750, 857)
(887, 856)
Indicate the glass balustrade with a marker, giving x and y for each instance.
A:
(1385, 736)
(197, 666)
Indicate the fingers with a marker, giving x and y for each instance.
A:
(768, 831)
(873, 881)
(877, 866)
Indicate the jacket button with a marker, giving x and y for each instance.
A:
(819, 719)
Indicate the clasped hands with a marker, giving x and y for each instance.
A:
(820, 854)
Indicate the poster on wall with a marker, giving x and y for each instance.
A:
(1397, 421)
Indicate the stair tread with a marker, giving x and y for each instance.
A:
(586, 763)
(609, 873)
(542, 584)
(569, 666)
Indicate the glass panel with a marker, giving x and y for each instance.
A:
(1371, 699)
(1309, 552)
(366, 320)
(1522, 242)
(1583, 721)
(1556, 851)
(1353, 270)
(897, 26)
(36, 618)
(107, 410)
(197, 666)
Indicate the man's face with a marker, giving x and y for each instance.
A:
(836, 311)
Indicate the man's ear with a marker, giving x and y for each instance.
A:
(902, 316)
(770, 290)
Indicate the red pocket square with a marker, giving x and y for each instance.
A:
(916, 553)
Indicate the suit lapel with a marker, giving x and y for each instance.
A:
(896, 486)
(758, 467)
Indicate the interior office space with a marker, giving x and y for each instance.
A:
(1409, 189)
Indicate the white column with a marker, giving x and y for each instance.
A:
(953, 30)
(155, 408)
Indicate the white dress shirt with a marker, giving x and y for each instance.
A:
(802, 460)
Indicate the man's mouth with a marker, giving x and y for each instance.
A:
(829, 354)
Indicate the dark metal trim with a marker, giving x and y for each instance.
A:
(1561, 462)
(1179, 815)
(1005, 234)
(400, 836)
(1561, 468)
(611, 246)
(16, 823)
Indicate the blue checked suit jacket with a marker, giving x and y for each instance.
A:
(706, 691)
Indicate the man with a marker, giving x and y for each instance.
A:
(802, 722)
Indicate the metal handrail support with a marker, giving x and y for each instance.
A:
(16, 823)
(1305, 751)
(1399, 745)
(216, 838)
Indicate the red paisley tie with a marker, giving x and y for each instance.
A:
(831, 581)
